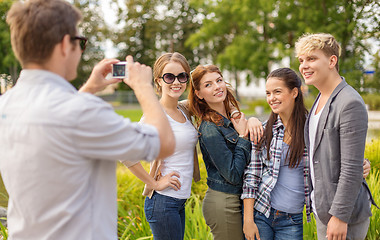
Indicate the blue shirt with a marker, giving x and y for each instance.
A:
(288, 193)
(260, 177)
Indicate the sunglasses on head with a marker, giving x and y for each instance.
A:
(170, 77)
(82, 42)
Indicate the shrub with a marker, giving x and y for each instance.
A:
(372, 152)
(372, 100)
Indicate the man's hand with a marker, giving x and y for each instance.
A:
(336, 229)
(139, 75)
(97, 80)
(366, 167)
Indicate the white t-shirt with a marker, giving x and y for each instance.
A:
(313, 124)
(182, 161)
(58, 152)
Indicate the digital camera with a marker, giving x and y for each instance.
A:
(119, 70)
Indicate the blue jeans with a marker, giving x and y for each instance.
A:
(166, 216)
(279, 225)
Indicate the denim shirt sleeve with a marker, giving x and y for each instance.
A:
(230, 164)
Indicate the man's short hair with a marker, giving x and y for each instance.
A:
(38, 25)
(319, 41)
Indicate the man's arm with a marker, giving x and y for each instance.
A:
(353, 128)
(140, 80)
(97, 80)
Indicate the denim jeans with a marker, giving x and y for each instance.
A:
(279, 225)
(166, 216)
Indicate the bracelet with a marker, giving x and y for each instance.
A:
(233, 112)
(242, 136)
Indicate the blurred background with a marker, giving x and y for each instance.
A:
(246, 39)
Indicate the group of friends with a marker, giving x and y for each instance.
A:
(59, 146)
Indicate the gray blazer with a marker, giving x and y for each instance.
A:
(340, 189)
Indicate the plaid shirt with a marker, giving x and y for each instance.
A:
(261, 174)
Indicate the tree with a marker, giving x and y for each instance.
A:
(149, 28)
(351, 22)
(95, 29)
(241, 34)
(251, 35)
(8, 62)
(373, 81)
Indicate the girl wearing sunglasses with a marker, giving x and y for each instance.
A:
(168, 185)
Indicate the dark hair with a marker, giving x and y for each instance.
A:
(38, 25)
(199, 107)
(296, 121)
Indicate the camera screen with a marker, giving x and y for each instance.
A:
(118, 70)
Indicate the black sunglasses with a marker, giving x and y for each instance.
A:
(82, 42)
(169, 78)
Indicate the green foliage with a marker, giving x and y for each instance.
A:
(259, 103)
(373, 101)
(131, 220)
(133, 114)
(251, 35)
(94, 28)
(372, 152)
(151, 28)
(3, 232)
(8, 62)
(373, 184)
(3, 194)
(309, 228)
(373, 82)
(196, 227)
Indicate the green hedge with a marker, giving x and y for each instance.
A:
(373, 101)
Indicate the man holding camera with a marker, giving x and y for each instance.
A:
(59, 147)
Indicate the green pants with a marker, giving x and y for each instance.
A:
(222, 212)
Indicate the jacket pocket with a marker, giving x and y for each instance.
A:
(232, 137)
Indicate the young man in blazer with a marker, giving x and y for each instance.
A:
(335, 134)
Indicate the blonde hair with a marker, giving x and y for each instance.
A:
(162, 61)
(318, 41)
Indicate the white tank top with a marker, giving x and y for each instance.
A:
(182, 161)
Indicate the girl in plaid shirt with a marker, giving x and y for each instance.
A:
(276, 186)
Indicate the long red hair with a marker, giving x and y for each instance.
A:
(199, 107)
